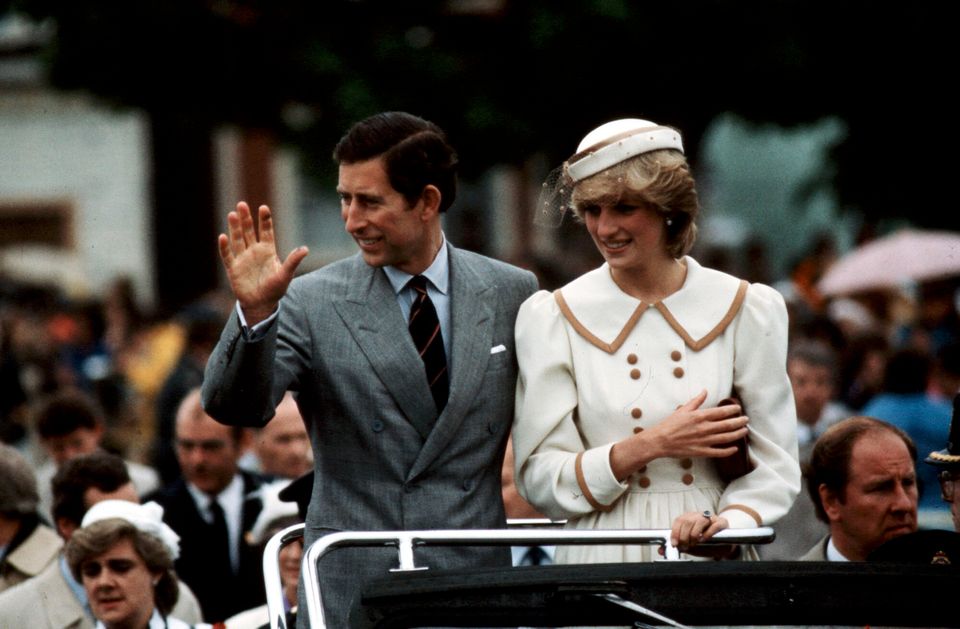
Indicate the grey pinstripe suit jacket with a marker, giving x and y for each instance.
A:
(342, 345)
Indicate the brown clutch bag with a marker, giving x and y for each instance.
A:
(737, 464)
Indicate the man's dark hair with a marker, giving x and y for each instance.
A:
(66, 411)
(415, 153)
(830, 460)
(106, 472)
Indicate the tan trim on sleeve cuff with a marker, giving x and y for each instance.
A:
(582, 481)
(753, 514)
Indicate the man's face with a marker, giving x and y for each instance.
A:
(387, 229)
(62, 448)
(207, 452)
(950, 492)
(283, 446)
(955, 505)
(812, 389)
(880, 500)
(119, 586)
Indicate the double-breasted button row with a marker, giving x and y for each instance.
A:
(687, 479)
(675, 356)
(686, 463)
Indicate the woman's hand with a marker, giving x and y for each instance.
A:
(257, 276)
(687, 432)
(692, 528)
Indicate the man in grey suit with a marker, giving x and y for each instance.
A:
(394, 447)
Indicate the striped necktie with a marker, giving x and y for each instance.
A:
(424, 328)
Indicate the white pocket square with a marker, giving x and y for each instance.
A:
(497, 349)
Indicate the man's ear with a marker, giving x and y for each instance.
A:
(831, 502)
(430, 200)
(246, 440)
(65, 527)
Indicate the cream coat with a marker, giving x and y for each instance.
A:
(36, 552)
(597, 364)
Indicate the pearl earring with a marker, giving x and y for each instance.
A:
(669, 222)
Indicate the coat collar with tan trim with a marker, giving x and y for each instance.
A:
(699, 312)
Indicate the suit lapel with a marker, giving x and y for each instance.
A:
(472, 317)
(371, 314)
(252, 503)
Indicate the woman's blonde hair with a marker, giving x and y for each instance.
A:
(659, 180)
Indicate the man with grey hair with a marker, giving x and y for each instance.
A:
(811, 366)
(27, 546)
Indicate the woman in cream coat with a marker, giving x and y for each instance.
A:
(622, 370)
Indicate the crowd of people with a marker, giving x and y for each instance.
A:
(132, 430)
(652, 392)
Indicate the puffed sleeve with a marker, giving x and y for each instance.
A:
(762, 496)
(553, 472)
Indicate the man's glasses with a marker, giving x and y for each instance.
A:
(948, 484)
(92, 569)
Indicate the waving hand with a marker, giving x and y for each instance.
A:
(257, 276)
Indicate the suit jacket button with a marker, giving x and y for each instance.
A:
(678, 372)
(632, 359)
(644, 482)
(492, 428)
(636, 413)
(467, 485)
(686, 463)
(635, 374)
(676, 355)
(377, 425)
(687, 479)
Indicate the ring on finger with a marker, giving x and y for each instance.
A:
(708, 514)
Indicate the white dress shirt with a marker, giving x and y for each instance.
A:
(231, 501)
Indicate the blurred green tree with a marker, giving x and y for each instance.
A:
(509, 79)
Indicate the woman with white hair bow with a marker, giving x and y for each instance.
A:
(636, 378)
(123, 555)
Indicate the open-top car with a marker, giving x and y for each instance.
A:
(672, 592)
